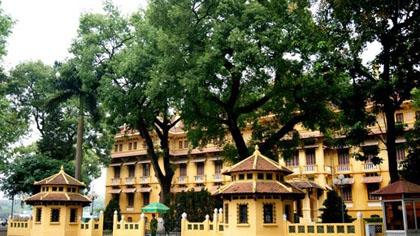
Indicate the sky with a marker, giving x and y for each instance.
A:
(44, 30)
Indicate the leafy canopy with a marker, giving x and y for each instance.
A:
(241, 61)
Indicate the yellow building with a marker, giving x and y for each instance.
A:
(57, 210)
(258, 196)
(315, 165)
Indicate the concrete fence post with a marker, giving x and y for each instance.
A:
(285, 224)
(115, 221)
(184, 223)
(142, 223)
(101, 223)
(359, 225)
(207, 224)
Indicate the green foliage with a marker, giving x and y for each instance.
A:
(238, 61)
(112, 206)
(196, 204)
(383, 82)
(331, 213)
(12, 125)
(5, 30)
(30, 86)
(410, 166)
(27, 167)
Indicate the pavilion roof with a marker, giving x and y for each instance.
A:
(305, 184)
(257, 162)
(61, 178)
(58, 197)
(271, 187)
(399, 187)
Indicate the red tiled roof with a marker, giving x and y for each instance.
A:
(58, 197)
(399, 187)
(61, 178)
(303, 184)
(257, 162)
(272, 187)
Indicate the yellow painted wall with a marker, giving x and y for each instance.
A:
(62, 228)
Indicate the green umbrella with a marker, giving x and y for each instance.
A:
(155, 208)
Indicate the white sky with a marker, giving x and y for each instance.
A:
(44, 30)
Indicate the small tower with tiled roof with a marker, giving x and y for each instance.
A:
(58, 206)
(258, 197)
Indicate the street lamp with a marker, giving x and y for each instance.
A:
(92, 196)
(342, 182)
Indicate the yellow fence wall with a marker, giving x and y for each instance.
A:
(93, 227)
(217, 228)
(207, 227)
(124, 228)
(16, 227)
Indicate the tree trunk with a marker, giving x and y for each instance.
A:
(390, 144)
(79, 144)
(165, 186)
(238, 139)
(165, 180)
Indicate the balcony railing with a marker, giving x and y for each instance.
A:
(130, 180)
(182, 179)
(370, 167)
(344, 168)
(295, 169)
(310, 168)
(115, 181)
(145, 179)
(200, 178)
(218, 177)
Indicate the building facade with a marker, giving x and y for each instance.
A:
(131, 179)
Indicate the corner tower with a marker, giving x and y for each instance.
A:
(57, 207)
(258, 197)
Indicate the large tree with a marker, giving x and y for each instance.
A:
(121, 54)
(70, 85)
(241, 61)
(353, 27)
(12, 123)
(30, 86)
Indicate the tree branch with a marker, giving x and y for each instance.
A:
(251, 107)
(289, 126)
